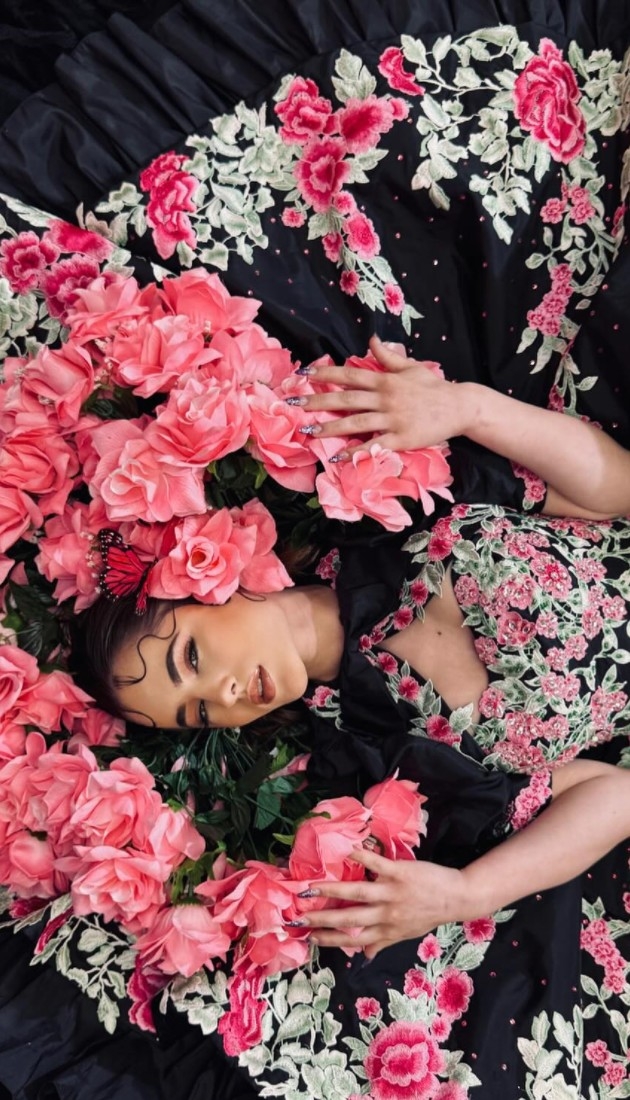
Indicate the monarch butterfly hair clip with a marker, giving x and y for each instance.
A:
(123, 572)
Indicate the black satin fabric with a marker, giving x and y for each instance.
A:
(134, 90)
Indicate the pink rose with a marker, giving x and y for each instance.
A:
(18, 670)
(182, 939)
(134, 481)
(322, 172)
(97, 728)
(426, 471)
(546, 95)
(391, 67)
(249, 356)
(241, 1027)
(173, 837)
(63, 378)
(396, 819)
(18, 514)
(54, 784)
(206, 302)
(24, 260)
(417, 984)
(403, 1060)
(63, 556)
(99, 309)
(152, 355)
(367, 485)
(53, 702)
(265, 572)
(64, 280)
(71, 238)
(201, 422)
(125, 886)
(362, 121)
(38, 460)
(27, 866)
(209, 555)
(361, 236)
(304, 113)
(276, 441)
(119, 806)
(323, 844)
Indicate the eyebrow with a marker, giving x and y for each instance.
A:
(180, 717)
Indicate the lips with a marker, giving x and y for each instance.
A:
(262, 689)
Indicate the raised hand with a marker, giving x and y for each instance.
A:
(405, 900)
(405, 406)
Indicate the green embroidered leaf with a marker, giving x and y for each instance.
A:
(470, 955)
(434, 112)
(300, 990)
(279, 999)
(330, 1029)
(298, 1022)
(441, 47)
(414, 49)
(218, 256)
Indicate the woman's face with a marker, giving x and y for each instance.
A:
(205, 665)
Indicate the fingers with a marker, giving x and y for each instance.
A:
(386, 356)
(379, 865)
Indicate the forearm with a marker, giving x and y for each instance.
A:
(581, 825)
(580, 462)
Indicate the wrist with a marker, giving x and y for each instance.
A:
(480, 895)
(472, 401)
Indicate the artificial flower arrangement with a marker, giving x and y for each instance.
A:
(159, 429)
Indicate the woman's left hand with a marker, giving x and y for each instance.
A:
(405, 900)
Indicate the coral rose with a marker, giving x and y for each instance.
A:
(397, 819)
(63, 378)
(402, 1061)
(367, 485)
(53, 702)
(182, 939)
(205, 301)
(18, 670)
(276, 441)
(250, 356)
(546, 97)
(209, 555)
(201, 422)
(118, 806)
(18, 514)
(126, 886)
(151, 355)
(324, 843)
(63, 556)
(38, 460)
(265, 572)
(426, 471)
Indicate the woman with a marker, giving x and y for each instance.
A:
(230, 665)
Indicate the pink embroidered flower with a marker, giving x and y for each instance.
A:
(332, 244)
(554, 578)
(439, 729)
(556, 658)
(560, 687)
(547, 624)
(486, 649)
(408, 688)
(419, 592)
(143, 986)
(403, 618)
(492, 703)
(304, 113)
(64, 279)
(362, 121)
(454, 988)
(614, 609)
(519, 591)
(442, 540)
(241, 1027)
(394, 298)
(441, 1028)
(589, 570)
(546, 97)
(391, 67)
(322, 172)
(553, 211)
(466, 591)
(598, 1053)
(592, 622)
(361, 236)
(417, 984)
(170, 203)
(429, 948)
(344, 203)
(349, 282)
(480, 930)
(403, 1060)
(321, 696)
(24, 260)
(367, 1008)
(292, 218)
(388, 663)
(71, 238)
(531, 799)
(514, 630)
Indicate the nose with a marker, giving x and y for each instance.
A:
(225, 691)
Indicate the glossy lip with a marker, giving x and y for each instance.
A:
(260, 677)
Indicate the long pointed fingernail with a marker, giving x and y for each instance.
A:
(305, 370)
(295, 923)
(295, 400)
(310, 429)
(312, 892)
(340, 457)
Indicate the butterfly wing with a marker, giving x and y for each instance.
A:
(123, 572)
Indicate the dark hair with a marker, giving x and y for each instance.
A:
(97, 636)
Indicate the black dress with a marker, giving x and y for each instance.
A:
(474, 210)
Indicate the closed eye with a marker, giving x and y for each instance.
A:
(191, 657)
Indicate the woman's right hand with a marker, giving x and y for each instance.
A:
(406, 406)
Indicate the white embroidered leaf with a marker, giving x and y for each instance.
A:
(358, 1048)
(279, 999)
(563, 1031)
(218, 256)
(547, 1061)
(330, 1029)
(107, 1012)
(298, 1022)
(29, 214)
(441, 47)
(314, 1079)
(529, 1050)
(295, 1053)
(300, 990)
(434, 112)
(470, 955)
(560, 1090)
(226, 127)
(467, 77)
(255, 1060)
(540, 1028)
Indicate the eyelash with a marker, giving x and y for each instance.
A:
(191, 657)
